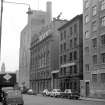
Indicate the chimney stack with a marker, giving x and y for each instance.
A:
(49, 10)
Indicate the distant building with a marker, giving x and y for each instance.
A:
(71, 54)
(94, 48)
(17, 76)
(3, 68)
(36, 19)
(44, 65)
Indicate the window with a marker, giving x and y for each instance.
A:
(103, 40)
(75, 28)
(60, 59)
(71, 31)
(86, 19)
(94, 77)
(75, 85)
(94, 59)
(86, 50)
(75, 68)
(64, 34)
(75, 42)
(103, 57)
(61, 47)
(71, 43)
(87, 34)
(64, 70)
(64, 46)
(102, 77)
(94, 42)
(71, 69)
(86, 3)
(75, 55)
(70, 58)
(103, 21)
(102, 4)
(94, 26)
(94, 10)
(61, 71)
(64, 58)
(61, 36)
(87, 67)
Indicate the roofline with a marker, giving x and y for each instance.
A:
(81, 15)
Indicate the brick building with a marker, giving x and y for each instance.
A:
(94, 48)
(71, 54)
(44, 66)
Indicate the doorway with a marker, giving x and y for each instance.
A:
(87, 89)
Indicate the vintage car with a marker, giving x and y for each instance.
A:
(70, 94)
(12, 96)
(31, 92)
(66, 94)
(56, 93)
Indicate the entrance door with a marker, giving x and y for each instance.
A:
(87, 89)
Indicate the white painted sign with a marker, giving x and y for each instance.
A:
(43, 36)
(7, 77)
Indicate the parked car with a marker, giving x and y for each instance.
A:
(24, 90)
(31, 92)
(55, 93)
(46, 92)
(75, 95)
(66, 94)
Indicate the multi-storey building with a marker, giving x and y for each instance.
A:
(70, 54)
(36, 19)
(94, 48)
(44, 66)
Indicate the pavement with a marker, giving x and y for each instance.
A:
(92, 99)
(88, 99)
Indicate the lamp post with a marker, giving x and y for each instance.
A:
(1, 15)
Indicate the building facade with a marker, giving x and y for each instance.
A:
(36, 20)
(44, 66)
(94, 48)
(71, 54)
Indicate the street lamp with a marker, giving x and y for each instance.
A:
(15, 3)
(1, 12)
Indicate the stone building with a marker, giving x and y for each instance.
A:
(94, 48)
(71, 54)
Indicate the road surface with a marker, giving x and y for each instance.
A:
(42, 100)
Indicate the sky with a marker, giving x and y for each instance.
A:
(15, 19)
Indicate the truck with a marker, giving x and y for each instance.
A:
(9, 90)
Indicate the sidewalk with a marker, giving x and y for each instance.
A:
(92, 99)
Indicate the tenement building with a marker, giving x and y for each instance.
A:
(44, 65)
(94, 48)
(36, 19)
(71, 54)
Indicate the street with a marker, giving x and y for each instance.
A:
(42, 100)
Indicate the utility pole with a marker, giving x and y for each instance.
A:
(1, 14)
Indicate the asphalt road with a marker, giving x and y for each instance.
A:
(42, 100)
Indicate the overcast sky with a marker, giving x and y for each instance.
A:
(15, 19)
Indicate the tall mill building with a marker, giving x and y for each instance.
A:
(36, 19)
(94, 48)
